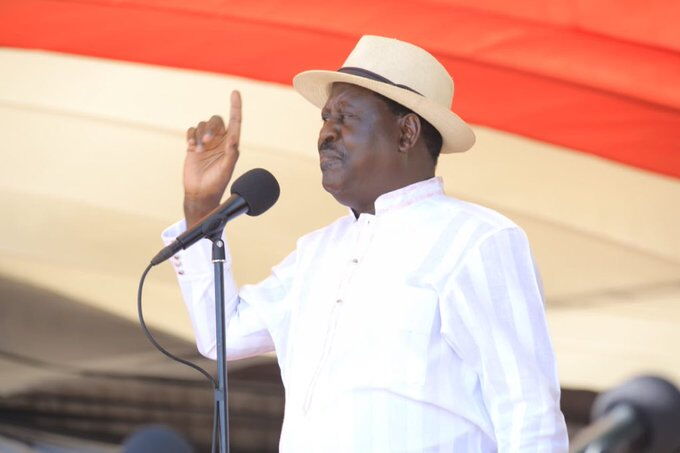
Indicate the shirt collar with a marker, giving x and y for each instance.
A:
(408, 195)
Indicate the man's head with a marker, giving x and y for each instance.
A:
(415, 93)
(369, 146)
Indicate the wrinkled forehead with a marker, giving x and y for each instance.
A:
(355, 90)
(347, 93)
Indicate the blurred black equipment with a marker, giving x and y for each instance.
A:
(642, 415)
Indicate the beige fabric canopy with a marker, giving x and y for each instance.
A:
(91, 172)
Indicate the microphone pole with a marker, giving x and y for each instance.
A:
(222, 390)
(618, 427)
(259, 190)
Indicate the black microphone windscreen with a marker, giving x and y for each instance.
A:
(258, 188)
(657, 402)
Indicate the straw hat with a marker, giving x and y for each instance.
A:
(402, 72)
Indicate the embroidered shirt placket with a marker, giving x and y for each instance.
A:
(364, 235)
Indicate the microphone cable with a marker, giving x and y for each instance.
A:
(167, 353)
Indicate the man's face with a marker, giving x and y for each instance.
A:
(358, 147)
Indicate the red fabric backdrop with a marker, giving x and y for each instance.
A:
(597, 76)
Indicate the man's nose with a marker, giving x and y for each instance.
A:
(328, 133)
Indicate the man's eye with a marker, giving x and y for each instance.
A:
(339, 117)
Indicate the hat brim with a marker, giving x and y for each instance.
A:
(457, 136)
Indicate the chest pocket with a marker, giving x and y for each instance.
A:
(409, 325)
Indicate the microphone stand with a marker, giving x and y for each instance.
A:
(218, 258)
(617, 428)
(221, 392)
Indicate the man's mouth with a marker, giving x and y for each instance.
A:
(328, 159)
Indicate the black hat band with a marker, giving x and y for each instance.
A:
(373, 76)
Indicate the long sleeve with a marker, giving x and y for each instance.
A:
(250, 313)
(493, 317)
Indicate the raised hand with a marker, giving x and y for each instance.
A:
(212, 152)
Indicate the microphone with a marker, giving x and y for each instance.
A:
(252, 193)
(642, 415)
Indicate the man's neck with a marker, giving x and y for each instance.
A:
(369, 207)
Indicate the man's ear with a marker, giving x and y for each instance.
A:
(410, 127)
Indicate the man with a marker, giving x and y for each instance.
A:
(413, 324)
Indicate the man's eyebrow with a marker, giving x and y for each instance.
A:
(346, 103)
(340, 105)
(346, 100)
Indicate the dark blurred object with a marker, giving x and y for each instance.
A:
(642, 415)
(157, 438)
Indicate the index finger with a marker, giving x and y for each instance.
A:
(234, 126)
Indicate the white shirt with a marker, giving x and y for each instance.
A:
(418, 329)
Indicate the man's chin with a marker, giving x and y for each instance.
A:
(332, 184)
(329, 182)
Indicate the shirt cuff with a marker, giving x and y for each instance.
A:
(195, 260)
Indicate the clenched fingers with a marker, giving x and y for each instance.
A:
(212, 133)
(206, 135)
(191, 139)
